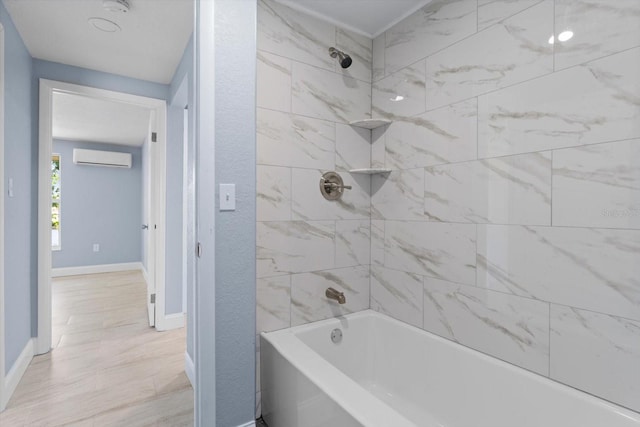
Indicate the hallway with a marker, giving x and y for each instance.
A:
(108, 367)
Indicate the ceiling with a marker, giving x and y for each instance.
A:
(80, 118)
(149, 46)
(367, 17)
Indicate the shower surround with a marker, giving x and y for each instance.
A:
(510, 222)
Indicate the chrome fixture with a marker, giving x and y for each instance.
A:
(336, 335)
(336, 295)
(344, 59)
(332, 186)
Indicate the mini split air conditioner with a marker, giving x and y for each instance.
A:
(101, 158)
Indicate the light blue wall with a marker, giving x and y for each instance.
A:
(20, 218)
(98, 79)
(235, 152)
(98, 205)
(182, 93)
(173, 265)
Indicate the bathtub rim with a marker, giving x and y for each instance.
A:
(274, 337)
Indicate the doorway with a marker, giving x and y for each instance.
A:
(157, 200)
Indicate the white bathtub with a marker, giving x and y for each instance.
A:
(389, 374)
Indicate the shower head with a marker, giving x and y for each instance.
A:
(344, 59)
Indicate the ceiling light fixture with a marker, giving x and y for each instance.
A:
(104, 25)
(118, 6)
(398, 98)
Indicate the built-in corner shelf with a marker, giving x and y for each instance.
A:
(370, 171)
(370, 123)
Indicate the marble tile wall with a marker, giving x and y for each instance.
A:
(305, 243)
(510, 222)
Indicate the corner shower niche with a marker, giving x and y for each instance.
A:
(370, 124)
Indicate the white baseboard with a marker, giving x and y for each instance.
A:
(145, 275)
(249, 424)
(95, 269)
(16, 372)
(169, 321)
(190, 369)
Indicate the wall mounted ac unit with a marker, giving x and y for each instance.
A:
(101, 158)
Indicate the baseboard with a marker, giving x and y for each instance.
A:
(145, 275)
(190, 369)
(95, 269)
(16, 372)
(249, 424)
(169, 321)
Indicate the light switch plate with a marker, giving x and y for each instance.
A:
(227, 197)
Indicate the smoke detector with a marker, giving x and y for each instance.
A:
(121, 6)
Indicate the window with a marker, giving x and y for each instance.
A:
(55, 202)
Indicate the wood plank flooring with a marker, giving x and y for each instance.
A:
(108, 367)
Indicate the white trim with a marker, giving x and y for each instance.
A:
(293, 4)
(47, 88)
(167, 322)
(249, 424)
(95, 269)
(2, 160)
(145, 274)
(17, 371)
(190, 369)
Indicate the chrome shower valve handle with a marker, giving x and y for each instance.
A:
(332, 186)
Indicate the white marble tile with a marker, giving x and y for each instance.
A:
(359, 48)
(294, 247)
(596, 353)
(328, 95)
(503, 190)
(508, 327)
(308, 300)
(445, 135)
(588, 268)
(398, 195)
(353, 243)
(292, 140)
(400, 94)
(597, 185)
(397, 294)
(377, 61)
(600, 28)
(273, 303)
(440, 250)
(309, 204)
(512, 51)
(587, 104)
(436, 26)
(289, 33)
(378, 146)
(353, 147)
(274, 82)
(377, 242)
(493, 11)
(273, 196)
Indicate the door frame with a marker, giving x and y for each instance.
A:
(3, 392)
(45, 139)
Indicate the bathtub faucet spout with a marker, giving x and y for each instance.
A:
(336, 295)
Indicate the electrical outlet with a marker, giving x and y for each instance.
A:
(96, 247)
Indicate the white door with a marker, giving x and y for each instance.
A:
(149, 218)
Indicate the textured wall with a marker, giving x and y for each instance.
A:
(98, 205)
(235, 233)
(305, 100)
(510, 222)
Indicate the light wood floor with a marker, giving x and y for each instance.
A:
(108, 367)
